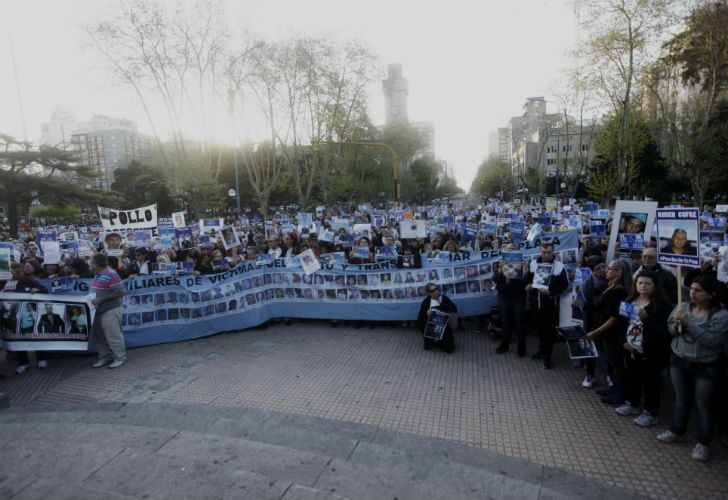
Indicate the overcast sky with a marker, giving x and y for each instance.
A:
(470, 64)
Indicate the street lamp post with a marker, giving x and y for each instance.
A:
(316, 146)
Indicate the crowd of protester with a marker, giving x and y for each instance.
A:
(687, 342)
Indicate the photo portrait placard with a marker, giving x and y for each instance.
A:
(678, 236)
(631, 217)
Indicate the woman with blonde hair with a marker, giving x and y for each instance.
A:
(610, 331)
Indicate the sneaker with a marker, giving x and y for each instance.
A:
(43, 364)
(117, 363)
(626, 409)
(604, 392)
(21, 369)
(701, 453)
(609, 381)
(668, 437)
(588, 382)
(101, 362)
(546, 363)
(646, 419)
(537, 355)
(502, 349)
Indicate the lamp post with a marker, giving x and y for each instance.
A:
(316, 146)
(232, 92)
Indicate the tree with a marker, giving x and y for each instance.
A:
(169, 52)
(60, 182)
(701, 51)
(621, 37)
(142, 185)
(492, 178)
(424, 177)
(645, 167)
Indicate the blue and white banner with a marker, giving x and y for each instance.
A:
(167, 308)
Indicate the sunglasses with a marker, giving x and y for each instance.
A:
(431, 290)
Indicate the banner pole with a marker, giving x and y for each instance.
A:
(679, 294)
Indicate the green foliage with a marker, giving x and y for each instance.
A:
(52, 211)
(423, 177)
(492, 177)
(46, 174)
(701, 50)
(142, 185)
(645, 169)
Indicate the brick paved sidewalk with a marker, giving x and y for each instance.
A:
(383, 377)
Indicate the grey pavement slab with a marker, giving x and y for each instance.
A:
(12, 483)
(57, 490)
(116, 436)
(326, 443)
(46, 459)
(422, 466)
(142, 474)
(153, 416)
(36, 416)
(361, 482)
(298, 492)
(273, 461)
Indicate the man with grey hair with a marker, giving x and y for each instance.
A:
(107, 332)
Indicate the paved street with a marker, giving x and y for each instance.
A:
(383, 378)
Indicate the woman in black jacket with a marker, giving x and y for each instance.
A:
(648, 347)
(441, 303)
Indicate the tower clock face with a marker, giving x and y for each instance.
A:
(394, 110)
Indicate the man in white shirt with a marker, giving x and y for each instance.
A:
(275, 250)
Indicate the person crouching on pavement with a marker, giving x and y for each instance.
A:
(107, 332)
(442, 303)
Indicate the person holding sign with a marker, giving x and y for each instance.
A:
(107, 323)
(699, 331)
(435, 301)
(648, 347)
(609, 331)
(547, 281)
(509, 279)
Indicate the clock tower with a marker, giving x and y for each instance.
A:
(395, 90)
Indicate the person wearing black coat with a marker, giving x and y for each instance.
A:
(442, 303)
(512, 300)
(545, 302)
(648, 347)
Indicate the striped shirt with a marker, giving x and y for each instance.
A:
(105, 284)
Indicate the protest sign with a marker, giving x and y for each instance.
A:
(436, 325)
(51, 252)
(631, 217)
(114, 220)
(710, 242)
(5, 263)
(678, 234)
(35, 322)
(178, 219)
(412, 229)
(513, 264)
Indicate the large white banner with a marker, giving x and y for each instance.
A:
(114, 220)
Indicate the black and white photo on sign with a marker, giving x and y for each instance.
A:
(9, 318)
(710, 243)
(229, 238)
(51, 318)
(542, 276)
(309, 262)
(581, 348)
(723, 264)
